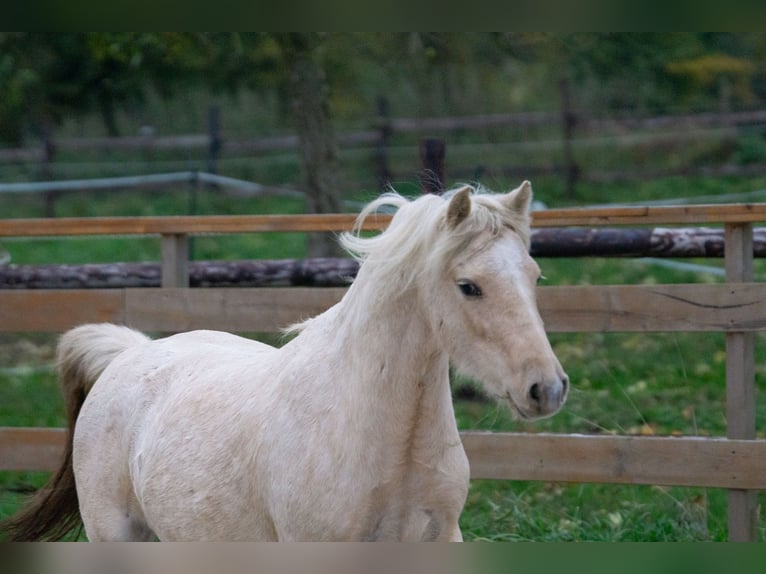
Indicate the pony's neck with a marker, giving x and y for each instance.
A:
(400, 375)
(390, 327)
(385, 366)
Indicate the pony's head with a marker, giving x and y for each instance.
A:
(465, 255)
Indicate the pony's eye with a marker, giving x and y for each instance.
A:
(469, 289)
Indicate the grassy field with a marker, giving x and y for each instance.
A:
(621, 383)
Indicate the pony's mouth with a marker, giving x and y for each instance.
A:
(513, 407)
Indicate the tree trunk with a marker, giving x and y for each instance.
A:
(108, 114)
(310, 106)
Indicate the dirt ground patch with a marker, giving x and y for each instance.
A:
(18, 349)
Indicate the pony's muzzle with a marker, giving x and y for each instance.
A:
(545, 397)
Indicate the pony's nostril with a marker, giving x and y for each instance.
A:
(564, 384)
(535, 393)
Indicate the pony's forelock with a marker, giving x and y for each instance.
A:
(425, 216)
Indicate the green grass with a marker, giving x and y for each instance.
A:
(649, 384)
(553, 512)
(668, 383)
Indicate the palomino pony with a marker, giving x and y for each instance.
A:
(347, 432)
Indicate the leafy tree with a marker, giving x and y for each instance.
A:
(46, 77)
(308, 92)
(651, 71)
(18, 84)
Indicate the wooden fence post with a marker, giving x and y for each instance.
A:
(194, 188)
(432, 152)
(214, 133)
(46, 169)
(175, 260)
(381, 149)
(571, 171)
(740, 382)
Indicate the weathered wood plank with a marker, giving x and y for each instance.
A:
(58, 310)
(253, 310)
(647, 215)
(602, 308)
(184, 224)
(654, 308)
(25, 448)
(175, 260)
(670, 461)
(740, 383)
(597, 217)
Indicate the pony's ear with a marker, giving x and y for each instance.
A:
(459, 207)
(520, 198)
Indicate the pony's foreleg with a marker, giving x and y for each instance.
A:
(455, 535)
(115, 525)
(108, 505)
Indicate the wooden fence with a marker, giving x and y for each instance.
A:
(736, 462)
(573, 129)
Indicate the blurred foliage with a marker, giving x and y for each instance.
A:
(717, 70)
(45, 77)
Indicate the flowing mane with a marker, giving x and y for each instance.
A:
(413, 235)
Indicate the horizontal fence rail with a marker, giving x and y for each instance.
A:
(666, 461)
(737, 308)
(188, 224)
(202, 141)
(731, 307)
(384, 140)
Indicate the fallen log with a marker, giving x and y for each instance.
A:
(636, 242)
(317, 272)
(334, 272)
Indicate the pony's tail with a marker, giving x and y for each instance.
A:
(82, 355)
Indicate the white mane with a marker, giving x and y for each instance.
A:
(416, 233)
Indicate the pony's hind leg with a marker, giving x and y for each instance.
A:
(118, 529)
(110, 523)
(109, 508)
